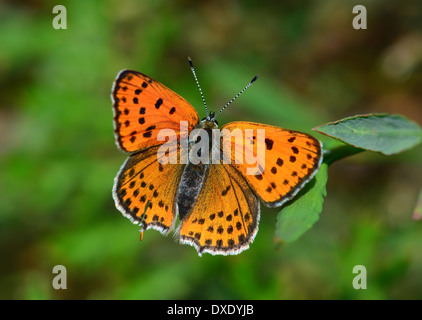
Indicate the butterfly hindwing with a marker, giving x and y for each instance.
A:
(142, 107)
(225, 217)
(291, 160)
(145, 190)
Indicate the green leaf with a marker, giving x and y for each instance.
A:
(384, 133)
(335, 150)
(300, 214)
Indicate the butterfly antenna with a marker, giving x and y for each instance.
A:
(236, 96)
(197, 82)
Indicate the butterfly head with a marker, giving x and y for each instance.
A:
(209, 122)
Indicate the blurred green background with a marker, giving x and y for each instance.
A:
(58, 158)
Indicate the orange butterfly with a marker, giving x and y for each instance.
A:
(217, 204)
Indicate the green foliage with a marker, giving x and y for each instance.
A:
(303, 211)
(384, 133)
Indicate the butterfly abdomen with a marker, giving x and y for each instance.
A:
(191, 183)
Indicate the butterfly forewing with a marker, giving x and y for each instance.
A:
(291, 160)
(142, 107)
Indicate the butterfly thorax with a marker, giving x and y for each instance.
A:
(207, 124)
(194, 175)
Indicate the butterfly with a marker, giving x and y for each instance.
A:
(216, 205)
